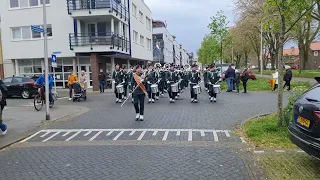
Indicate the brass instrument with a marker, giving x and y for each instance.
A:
(157, 65)
(187, 67)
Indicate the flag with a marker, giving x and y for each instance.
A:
(165, 24)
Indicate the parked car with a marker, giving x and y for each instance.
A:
(20, 86)
(304, 129)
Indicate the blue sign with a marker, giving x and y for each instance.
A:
(57, 52)
(53, 58)
(37, 29)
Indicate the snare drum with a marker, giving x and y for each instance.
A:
(154, 88)
(217, 89)
(196, 89)
(174, 87)
(120, 89)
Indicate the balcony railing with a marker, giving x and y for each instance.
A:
(113, 5)
(99, 39)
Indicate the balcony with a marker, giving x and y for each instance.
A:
(99, 42)
(81, 9)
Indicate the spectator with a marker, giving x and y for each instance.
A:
(102, 80)
(237, 80)
(3, 103)
(84, 82)
(72, 78)
(229, 76)
(287, 78)
(245, 77)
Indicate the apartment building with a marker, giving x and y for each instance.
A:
(88, 35)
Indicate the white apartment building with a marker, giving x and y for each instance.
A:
(164, 39)
(176, 52)
(90, 34)
(184, 56)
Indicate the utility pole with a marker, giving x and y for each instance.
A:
(45, 35)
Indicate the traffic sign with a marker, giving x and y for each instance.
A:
(57, 52)
(37, 29)
(53, 61)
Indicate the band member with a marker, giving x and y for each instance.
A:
(163, 81)
(117, 77)
(212, 79)
(139, 92)
(158, 80)
(126, 82)
(172, 78)
(205, 78)
(151, 79)
(194, 79)
(185, 78)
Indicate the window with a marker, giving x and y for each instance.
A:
(25, 32)
(26, 3)
(148, 23)
(7, 80)
(134, 10)
(141, 40)
(148, 44)
(141, 16)
(135, 36)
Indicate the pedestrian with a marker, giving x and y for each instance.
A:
(229, 76)
(275, 77)
(237, 80)
(102, 80)
(3, 103)
(72, 78)
(287, 78)
(84, 82)
(245, 77)
(118, 79)
(138, 92)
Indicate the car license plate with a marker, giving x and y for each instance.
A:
(304, 121)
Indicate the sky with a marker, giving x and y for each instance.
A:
(188, 19)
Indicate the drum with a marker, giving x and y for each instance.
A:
(154, 88)
(217, 89)
(174, 87)
(196, 89)
(120, 89)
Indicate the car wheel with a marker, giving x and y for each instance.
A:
(25, 94)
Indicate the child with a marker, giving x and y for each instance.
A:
(237, 80)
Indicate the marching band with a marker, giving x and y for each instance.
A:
(157, 80)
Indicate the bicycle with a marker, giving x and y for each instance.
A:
(39, 99)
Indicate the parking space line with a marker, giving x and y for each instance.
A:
(202, 133)
(109, 133)
(155, 132)
(120, 133)
(65, 134)
(215, 136)
(30, 137)
(43, 135)
(96, 135)
(190, 135)
(53, 135)
(132, 132)
(178, 133)
(165, 136)
(86, 134)
(141, 135)
(74, 135)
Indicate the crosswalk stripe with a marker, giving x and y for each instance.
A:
(141, 135)
(66, 134)
(132, 132)
(109, 133)
(165, 136)
(43, 135)
(190, 135)
(53, 135)
(120, 133)
(74, 135)
(86, 134)
(178, 133)
(215, 136)
(202, 133)
(96, 135)
(155, 132)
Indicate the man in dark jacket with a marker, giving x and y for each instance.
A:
(245, 77)
(212, 79)
(102, 79)
(229, 76)
(287, 78)
(118, 78)
(3, 103)
(151, 79)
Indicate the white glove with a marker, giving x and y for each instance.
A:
(168, 82)
(149, 82)
(114, 81)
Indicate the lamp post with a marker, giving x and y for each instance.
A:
(45, 35)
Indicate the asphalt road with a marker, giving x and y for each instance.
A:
(176, 141)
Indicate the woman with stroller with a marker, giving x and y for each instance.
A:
(84, 82)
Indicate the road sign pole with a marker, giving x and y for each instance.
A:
(54, 80)
(45, 35)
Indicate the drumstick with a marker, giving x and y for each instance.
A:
(130, 95)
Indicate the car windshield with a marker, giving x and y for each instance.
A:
(313, 94)
(7, 80)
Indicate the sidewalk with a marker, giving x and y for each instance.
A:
(24, 121)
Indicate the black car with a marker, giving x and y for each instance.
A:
(304, 129)
(20, 86)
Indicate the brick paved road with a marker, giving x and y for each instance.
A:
(97, 155)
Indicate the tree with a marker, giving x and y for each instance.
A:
(209, 50)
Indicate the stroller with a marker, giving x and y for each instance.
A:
(78, 92)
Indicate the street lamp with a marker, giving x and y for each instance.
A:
(45, 35)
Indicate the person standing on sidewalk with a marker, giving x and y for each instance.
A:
(102, 80)
(138, 92)
(3, 103)
(287, 78)
(245, 77)
(72, 78)
(229, 76)
(84, 82)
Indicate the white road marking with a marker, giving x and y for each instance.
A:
(65, 134)
(132, 132)
(30, 137)
(202, 133)
(43, 135)
(74, 135)
(96, 135)
(109, 133)
(120, 133)
(155, 132)
(141, 135)
(178, 133)
(227, 133)
(53, 135)
(258, 152)
(215, 136)
(165, 136)
(63, 97)
(280, 151)
(190, 135)
(300, 151)
(86, 134)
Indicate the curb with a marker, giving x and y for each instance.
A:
(26, 134)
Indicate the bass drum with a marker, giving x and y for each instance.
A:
(154, 88)
(196, 89)
(217, 89)
(174, 88)
(120, 89)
